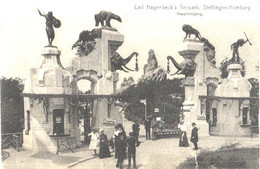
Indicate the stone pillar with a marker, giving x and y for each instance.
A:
(49, 78)
(233, 93)
(194, 86)
(110, 41)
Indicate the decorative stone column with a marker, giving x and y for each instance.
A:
(233, 97)
(105, 113)
(194, 85)
(189, 50)
(49, 79)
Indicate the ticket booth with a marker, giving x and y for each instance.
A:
(58, 122)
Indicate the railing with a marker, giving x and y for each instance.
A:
(12, 139)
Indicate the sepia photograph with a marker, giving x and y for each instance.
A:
(134, 84)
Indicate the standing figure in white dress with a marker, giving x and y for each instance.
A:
(183, 142)
(94, 143)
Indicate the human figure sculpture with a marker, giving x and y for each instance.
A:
(235, 46)
(106, 16)
(190, 30)
(152, 71)
(50, 22)
(152, 62)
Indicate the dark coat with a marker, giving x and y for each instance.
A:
(124, 134)
(121, 148)
(135, 127)
(131, 141)
(104, 150)
(194, 135)
(147, 124)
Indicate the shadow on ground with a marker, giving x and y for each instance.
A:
(57, 159)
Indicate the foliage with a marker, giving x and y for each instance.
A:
(224, 67)
(12, 107)
(254, 104)
(255, 87)
(166, 95)
(228, 156)
(229, 146)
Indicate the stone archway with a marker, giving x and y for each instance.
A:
(87, 105)
(90, 75)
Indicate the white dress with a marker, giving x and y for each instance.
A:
(94, 143)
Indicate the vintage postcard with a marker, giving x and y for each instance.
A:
(129, 84)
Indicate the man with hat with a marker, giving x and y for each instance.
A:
(194, 136)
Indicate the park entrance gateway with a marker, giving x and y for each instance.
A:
(51, 94)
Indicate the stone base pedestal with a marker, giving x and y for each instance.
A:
(38, 140)
(46, 116)
(104, 118)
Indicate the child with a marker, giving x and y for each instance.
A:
(194, 136)
(121, 148)
(94, 143)
(131, 144)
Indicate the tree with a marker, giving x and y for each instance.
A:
(167, 95)
(254, 104)
(12, 106)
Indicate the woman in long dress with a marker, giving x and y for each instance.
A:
(115, 139)
(183, 142)
(104, 150)
(94, 143)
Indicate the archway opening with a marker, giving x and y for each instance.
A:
(85, 109)
(84, 86)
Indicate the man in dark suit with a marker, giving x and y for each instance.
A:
(147, 125)
(131, 144)
(194, 136)
(121, 149)
(136, 129)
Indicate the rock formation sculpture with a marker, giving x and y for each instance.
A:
(151, 70)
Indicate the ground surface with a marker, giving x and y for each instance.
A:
(162, 153)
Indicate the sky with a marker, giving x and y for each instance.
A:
(23, 35)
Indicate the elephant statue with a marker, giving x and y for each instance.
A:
(187, 67)
(118, 63)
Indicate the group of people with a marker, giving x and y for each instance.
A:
(122, 145)
(183, 142)
(99, 142)
(155, 125)
(126, 146)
